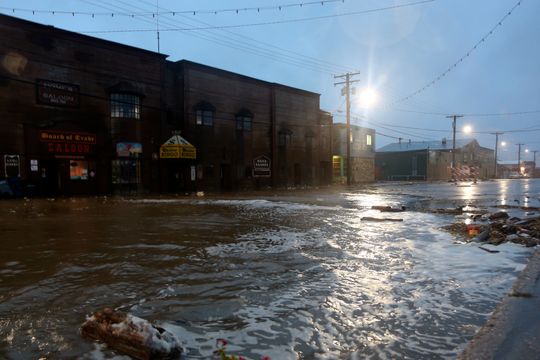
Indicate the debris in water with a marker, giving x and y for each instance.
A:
(131, 335)
(369, 218)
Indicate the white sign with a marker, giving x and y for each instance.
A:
(12, 165)
(34, 165)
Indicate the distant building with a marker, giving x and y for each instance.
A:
(362, 154)
(432, 160)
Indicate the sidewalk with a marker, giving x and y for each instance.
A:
(513, 331)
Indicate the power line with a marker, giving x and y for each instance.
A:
(233, 43)
(526, 112)
(253, 43)
(276, 22)
(173, 12)
(467, 54)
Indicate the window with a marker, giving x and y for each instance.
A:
(244, 123)
(368, 140)
(284, 137)
(78, 170)
(125, 106)
(205, 117)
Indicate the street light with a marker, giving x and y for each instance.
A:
(467, 129)
(368, 97)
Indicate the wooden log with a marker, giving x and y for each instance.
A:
(131, 335)
(369, 218)
(388, 208)
(488, 250)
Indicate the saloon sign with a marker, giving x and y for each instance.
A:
(57, 93)
(67, 143)
(261, 166)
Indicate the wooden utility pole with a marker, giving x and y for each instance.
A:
(496, 148)
(454, 142)
(348, 81)
(519, 157)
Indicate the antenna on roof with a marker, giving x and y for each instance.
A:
(157, 24)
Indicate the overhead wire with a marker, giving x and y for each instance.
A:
(208, 36)
(153, 14)
(275, 22)
(467, 54)
(261, 44)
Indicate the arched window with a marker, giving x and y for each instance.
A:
(204, 113)
(244, 120)
(125, 106)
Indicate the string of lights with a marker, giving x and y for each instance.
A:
(258, 44)
(253, 47)
(460, 60)
(275, 22)
(153, 14)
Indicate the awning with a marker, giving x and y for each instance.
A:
(177, 148)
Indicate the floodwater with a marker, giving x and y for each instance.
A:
(296, 275)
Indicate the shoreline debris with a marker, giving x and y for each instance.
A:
(499, 228)
(131, 335)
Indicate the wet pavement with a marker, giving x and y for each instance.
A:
(291, 275)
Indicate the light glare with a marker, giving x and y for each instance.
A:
(368, 97)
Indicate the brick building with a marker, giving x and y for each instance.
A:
(82, 115)
(362, 154)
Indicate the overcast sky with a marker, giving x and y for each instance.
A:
(397, 50)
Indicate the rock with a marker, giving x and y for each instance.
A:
(499, 215)
(513, 238)
(131, 335)
(497, 237)
(483, 236)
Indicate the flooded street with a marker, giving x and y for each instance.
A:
(291, 276)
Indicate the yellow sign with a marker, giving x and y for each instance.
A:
(177, 151)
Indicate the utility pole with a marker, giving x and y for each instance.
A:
(496, 147)
(534, 153)
(519, 157)
(348, 81)
(454, 141)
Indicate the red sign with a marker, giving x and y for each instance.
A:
(67, 143)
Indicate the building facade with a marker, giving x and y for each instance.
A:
(81, 115)
(362, 154)
(432, 160)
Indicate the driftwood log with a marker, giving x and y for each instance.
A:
(369, 218)
(131, 335)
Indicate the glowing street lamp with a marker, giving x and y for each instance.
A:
(467, 129)
(368, 97)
